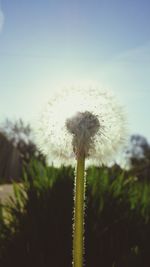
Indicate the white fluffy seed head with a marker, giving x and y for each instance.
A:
(83, 127)
(79, 121)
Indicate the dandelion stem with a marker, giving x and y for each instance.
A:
(78, 233)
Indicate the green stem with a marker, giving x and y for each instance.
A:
(78, 233)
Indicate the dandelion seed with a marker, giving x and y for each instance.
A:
(83, 126)
(67, 108)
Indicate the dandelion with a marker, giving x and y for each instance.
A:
(81, 127)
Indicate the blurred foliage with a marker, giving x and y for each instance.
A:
(137, 156)
(17, 148)
(10, 162)
(39, 230)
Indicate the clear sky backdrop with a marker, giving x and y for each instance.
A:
(46, 43)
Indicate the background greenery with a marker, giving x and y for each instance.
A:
(36, 224)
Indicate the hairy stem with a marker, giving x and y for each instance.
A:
(78, 231)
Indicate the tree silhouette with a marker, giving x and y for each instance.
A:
(138, 154)
(16, 149)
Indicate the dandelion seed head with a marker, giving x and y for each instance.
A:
(83, 126)
(80, 121)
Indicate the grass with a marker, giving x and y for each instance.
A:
(39, 232)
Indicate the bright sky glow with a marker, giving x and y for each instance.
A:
(45, 44)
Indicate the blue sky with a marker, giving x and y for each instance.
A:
(45, 44)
